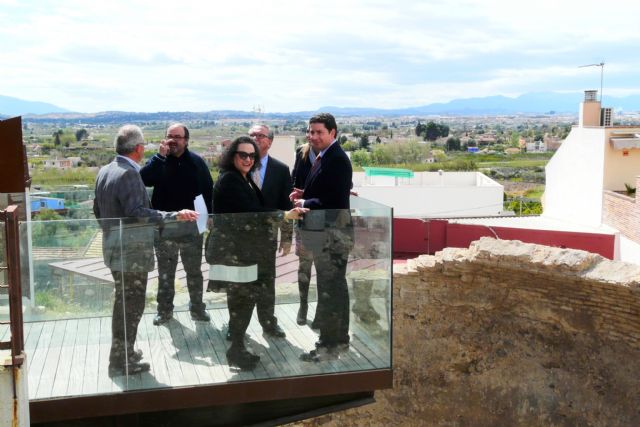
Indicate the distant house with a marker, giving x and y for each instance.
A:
(58, 164)
(536, 147)
(40, 202)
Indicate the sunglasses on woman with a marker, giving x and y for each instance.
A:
(244, 155)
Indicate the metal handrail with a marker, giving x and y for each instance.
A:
(12, 244)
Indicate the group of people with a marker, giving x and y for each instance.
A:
(257, 198)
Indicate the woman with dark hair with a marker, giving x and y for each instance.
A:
(236, 249)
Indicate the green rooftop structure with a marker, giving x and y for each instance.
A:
(393, 172)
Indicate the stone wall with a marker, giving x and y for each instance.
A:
(511, 334)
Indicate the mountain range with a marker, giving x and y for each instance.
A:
(10, 106)
(530, 103)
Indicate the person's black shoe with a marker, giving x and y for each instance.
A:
(162, 318)
(136, 356)
(200, 316)
(130, 369)
(321, 354)
(301, 319)
(315, 324)
(275, 332)
(242, 359)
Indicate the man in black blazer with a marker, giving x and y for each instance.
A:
(178, 176)
(328, 233)
(274, 180)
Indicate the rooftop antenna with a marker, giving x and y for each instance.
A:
(601, 65)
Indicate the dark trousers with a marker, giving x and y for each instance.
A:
(333, 293)
(241, 298)
(190, 251)
(266, 291)
(128, 307)
(305, 262)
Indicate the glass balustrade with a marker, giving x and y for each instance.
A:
(71, 266)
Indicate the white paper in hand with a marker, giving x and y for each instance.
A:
(203, 215)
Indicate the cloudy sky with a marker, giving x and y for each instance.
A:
(140, 55)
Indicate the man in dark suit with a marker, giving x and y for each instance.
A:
(274, 180)
(328, 233)
(127, 243)
(178, 176)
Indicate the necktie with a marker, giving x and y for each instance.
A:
(256, 178)
(316, 164)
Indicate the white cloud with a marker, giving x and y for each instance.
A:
(291, 55)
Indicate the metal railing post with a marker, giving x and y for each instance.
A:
(14, 286)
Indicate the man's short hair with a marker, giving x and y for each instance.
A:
(186, 131)
(327, 119)
(262, 125)
(127, 138)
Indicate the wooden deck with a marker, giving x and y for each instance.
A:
(70, 357)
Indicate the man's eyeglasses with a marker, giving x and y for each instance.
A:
(174, 137)
(258, 135)
(244, 155)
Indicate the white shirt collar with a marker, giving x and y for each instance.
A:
(321, 154)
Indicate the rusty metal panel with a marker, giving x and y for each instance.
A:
(14, 172)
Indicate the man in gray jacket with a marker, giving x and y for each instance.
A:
(127, 243)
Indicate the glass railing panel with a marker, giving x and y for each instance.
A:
(75, 264)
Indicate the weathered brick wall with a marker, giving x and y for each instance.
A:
(623, 212)
(506, 333)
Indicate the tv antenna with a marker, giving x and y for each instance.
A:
(601, 65)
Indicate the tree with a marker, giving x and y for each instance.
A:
(360, 157)
(433, 131)
(381, 155)
(453, 144)
(81, 134)
(364, 141)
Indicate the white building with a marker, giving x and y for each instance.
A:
(585, 179)
(433, 194)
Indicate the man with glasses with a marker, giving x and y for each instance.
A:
(178, 176)
(274, 180)
(127, 244)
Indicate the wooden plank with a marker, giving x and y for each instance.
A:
(79, 357)
(92, 361)
(201, 361)
(182, 352)
(148, 379)
(105, 383)
(63, 369)
(169, 353)
(215, 343)
(153, 353)
(50, 365)
(205, 334)
(33, 358)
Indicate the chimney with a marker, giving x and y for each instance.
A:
(590, 109)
